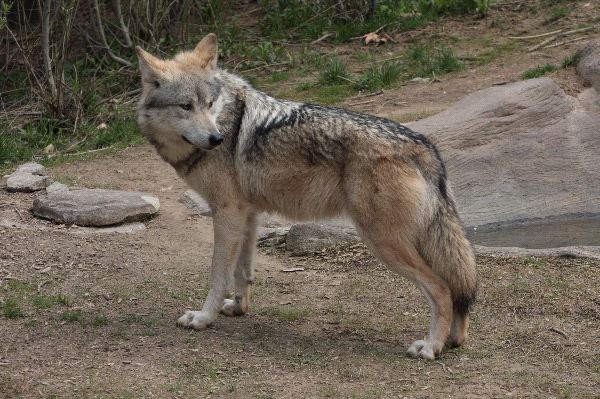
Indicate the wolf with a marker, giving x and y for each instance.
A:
(246, 153)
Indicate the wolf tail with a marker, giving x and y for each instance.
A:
(446, 249)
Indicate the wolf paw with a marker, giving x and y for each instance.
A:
(421, 348)
(195, 320)
(233, 308)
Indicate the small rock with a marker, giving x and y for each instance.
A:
(94, 207)
(272, 237)
(305, 239)
(49, 149)
(33, 168)
(26, 182)
(102, 126)
(420, 80)
(56, 187)
(196, 203)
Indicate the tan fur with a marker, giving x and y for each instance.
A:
(340, 165)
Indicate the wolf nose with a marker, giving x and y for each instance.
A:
(215, 139)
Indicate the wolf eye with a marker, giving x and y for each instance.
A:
(210, 104)
(187, 107)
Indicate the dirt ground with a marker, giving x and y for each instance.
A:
(93, 315)
(337, 329)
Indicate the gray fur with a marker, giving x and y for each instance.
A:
(307, 162)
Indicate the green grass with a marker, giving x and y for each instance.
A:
(11, 309)
(49, 301)
(556, 13)
(294, 19)
(18, 146)
(380, 77)
(538, 71)
(287, 313)
(100, 321)
(71, 316)
(569, 61)
(428, 61)
(335, 73)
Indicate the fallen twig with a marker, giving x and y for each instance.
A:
(85, 152)
(325, 36)
(362, 103)
(346, 79)
(377, 93)
(265, 66)
(542, 44)
(567, 42)
(535, 36)
(558, 331)
(293, 270)
(20, 215)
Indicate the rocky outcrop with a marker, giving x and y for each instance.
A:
(588, 64)
(523, 151)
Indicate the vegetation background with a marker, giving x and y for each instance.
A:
(69, 77)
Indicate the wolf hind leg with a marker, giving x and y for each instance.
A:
(243, 274)
(402, 257)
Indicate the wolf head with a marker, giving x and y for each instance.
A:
(181, 99)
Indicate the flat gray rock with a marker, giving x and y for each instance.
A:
(306, 239)
(26, 182)
(56, 187)
(588, 64)
(92, 207)
(196, 203)
(33, 168)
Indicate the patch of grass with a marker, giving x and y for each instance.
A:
(538, 71)
(334, 73)
(326, 94)
(20, 287)
(72, 316)
(278, 76)
(534, 262)
(11, 309)
(295, 19)
(287, 313)
(495, 52)
(99, 321)
(49, 301)
(25, 144)
(380, 77)
(425, 61)
(569, 61)
(556, 13)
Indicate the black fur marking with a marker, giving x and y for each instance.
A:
(296, 116)
(462, 304)
(188, 164)
(235, 131)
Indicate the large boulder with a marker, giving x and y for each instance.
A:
(94, 207)
(522, 152)
(588, 64)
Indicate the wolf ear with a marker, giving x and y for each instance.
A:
(207, 51)
(150, 66)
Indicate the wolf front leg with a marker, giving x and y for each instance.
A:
(228, 231)
(244, 271)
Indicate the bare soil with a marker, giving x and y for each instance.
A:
(93, 315)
